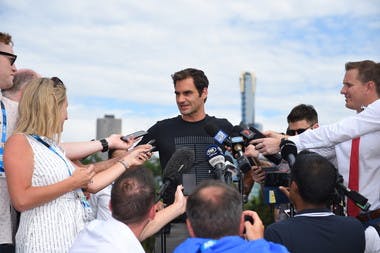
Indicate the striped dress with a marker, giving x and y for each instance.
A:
(53, 226)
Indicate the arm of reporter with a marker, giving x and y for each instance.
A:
(135, 157)
(19, 165)
(165, 215)
(253, 231)
(106, 164)
(267, 146)
(79, 150)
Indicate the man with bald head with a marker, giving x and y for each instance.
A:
(21, 78)
(216, 221)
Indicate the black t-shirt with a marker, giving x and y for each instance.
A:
(175, 133)
(317, 233)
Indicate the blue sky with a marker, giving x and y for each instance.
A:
(116, 56)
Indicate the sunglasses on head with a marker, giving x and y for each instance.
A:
(11, 57)
(57, 81)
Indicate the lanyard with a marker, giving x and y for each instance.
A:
(3, 138)
(79, 192)
(38, 138)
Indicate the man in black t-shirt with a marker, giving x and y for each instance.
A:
(315, 228)
(186, 131)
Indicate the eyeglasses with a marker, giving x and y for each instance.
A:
(11, 57)
(57, 81)
(291, 132)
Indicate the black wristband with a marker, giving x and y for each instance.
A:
(104, 143)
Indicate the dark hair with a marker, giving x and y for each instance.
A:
(315, 177)
(6, 39)
(214, 210)
(132, 195)
(368, 71)
(303, 112)
(199, 77)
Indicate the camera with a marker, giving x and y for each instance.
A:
(274, 177)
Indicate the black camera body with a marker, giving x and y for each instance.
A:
(274, 177)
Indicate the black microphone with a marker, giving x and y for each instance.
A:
(216, 159)
(237, 143)
(219, 136)
(252, 134)
(288, 151)
(180, 162)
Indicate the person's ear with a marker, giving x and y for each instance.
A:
(190, 228)
(316, 125)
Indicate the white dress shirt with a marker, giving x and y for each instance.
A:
(108, 236)
(365, 124)
(367, 121)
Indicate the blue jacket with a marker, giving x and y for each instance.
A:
(229, 244)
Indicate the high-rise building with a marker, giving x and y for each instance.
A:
(248, 90)
(105, 127)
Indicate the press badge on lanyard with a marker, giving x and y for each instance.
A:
(3, 138)
(70, 168)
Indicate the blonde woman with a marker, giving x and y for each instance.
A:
(43, 184)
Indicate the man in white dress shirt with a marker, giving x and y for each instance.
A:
(361, 88)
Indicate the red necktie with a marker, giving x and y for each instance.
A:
(353, 180)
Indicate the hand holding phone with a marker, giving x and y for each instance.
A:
(134, 135)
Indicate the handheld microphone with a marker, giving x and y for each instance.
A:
(230, 166)
(216, 159)
(218, 135)
(288, 151)
(180, 162)
(237, 142)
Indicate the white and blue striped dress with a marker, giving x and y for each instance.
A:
(53, 226)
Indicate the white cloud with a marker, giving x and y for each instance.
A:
(126, 50)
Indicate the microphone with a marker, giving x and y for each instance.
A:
(180, 162)
(216, 159)
(288, 151)
(238, 149)
(218, 135)
(230, 166)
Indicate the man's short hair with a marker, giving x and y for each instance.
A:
(6, 39)
(368, 71)
(315, 177)
(132, 195)
(214, 210)
(199, 77)
(303, 112)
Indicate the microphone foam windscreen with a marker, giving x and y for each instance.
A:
(180, 162)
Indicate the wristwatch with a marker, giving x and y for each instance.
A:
(104, 143)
